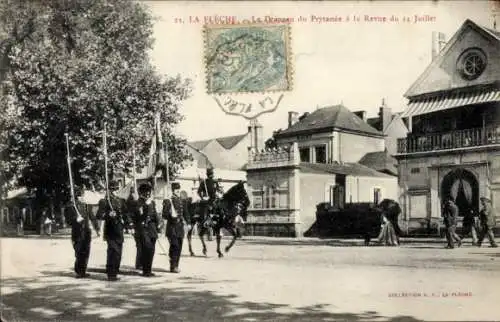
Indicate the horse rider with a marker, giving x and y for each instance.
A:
(112, 210)
(488, 222)
(177, 215)
(207, 191)
(146, 227)
(81, 236)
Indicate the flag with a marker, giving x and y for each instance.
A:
(156, 156)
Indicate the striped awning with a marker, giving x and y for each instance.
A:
(444, 102)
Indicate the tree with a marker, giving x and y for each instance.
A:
(271, 142)
(84, 63)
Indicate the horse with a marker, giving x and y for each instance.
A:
(233, 203)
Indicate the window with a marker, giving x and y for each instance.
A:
(377, 195)
(320, 154)
(415, 170)
(304, 154)
(271, 196)
(472, 63)
(257, 196)
(337, 196)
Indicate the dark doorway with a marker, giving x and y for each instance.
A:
(462, 186)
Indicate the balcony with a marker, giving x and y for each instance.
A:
(476, 137)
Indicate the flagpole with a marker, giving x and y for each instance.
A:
(105, 148)
(166, 169)
(134, 174)
(79, 217)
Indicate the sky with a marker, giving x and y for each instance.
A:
(354, 63)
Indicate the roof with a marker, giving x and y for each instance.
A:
(227, 142)
(380, 161)
(200, 145)
(436, 62)
(330, 117)
(351, 169)
(201, 158)
(492, 31)
(450, 100)
(374, 122)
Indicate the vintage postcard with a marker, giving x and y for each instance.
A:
(249, 161)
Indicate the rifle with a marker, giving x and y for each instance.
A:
(79, 217)
(106, 179)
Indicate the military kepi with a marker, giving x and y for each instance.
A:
(176, 185)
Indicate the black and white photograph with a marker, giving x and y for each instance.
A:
(249, 160)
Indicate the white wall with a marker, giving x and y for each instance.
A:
(361, 189)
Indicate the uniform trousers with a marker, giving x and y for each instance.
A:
(175, 250)
(81, 245)
(114, 257)
(147, 253)
(138, 256)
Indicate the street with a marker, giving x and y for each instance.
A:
(273, 279)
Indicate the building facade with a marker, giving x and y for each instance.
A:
(284, 192)
(453, 116)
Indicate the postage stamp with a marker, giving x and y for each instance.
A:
(247, 58)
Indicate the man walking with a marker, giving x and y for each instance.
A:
(112, 211)
(131, 201)
(471, 225)
(81, 234)
(176, 213)
(450, 214)
(146, 224)
(488, 222)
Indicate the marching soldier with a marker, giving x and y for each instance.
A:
(177, 215)
(488, 222)
(146, 224)
(112, 211)
(131, 200)
(81, 234)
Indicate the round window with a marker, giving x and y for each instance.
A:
(472, 63)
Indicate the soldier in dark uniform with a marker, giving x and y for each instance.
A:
(131, 201)
(146, 224)
(113, 212)
(177, 215)
(207, 191)
(81, 234)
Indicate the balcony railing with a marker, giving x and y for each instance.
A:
(450, 140)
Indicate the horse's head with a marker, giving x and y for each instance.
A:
(390, 207)
(237, 196)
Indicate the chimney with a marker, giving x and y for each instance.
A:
(256, 135)
(361, 115)
(438, 43)
(293, 117)
(250, 137)
(385, 116)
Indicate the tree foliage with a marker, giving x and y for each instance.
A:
(69, 66)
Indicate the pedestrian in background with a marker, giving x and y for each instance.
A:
(471, 225)
(450, 216)
(488, 222)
